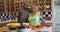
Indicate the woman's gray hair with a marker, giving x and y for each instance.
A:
(36, 8)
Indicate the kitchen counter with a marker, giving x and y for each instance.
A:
(3, 28)
(44, 29)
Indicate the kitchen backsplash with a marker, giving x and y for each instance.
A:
(5, 17)
(47, 15)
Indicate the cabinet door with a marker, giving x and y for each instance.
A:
(7, 6)
(18, 3)
(12, 6)
(48, 6)
(41, 5)
(1, 6)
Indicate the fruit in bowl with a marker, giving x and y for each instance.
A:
(21, 27)
(37, 26)
(13, 24)
(29, 26)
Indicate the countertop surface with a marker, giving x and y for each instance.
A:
(47, 29)
(44, 29)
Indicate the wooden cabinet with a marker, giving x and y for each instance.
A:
(1, 6)
(43, 5)
(12, 6)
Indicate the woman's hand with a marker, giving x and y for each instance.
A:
(44, 22)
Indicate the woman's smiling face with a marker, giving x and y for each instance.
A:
(33, 9)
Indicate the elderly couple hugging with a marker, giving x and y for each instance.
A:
(31, 15)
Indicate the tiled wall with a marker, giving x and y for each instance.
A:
(5, 17)
(47, 15)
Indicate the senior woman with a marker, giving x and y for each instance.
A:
(34, 17)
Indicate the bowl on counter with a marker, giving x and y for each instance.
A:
(13, 26)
